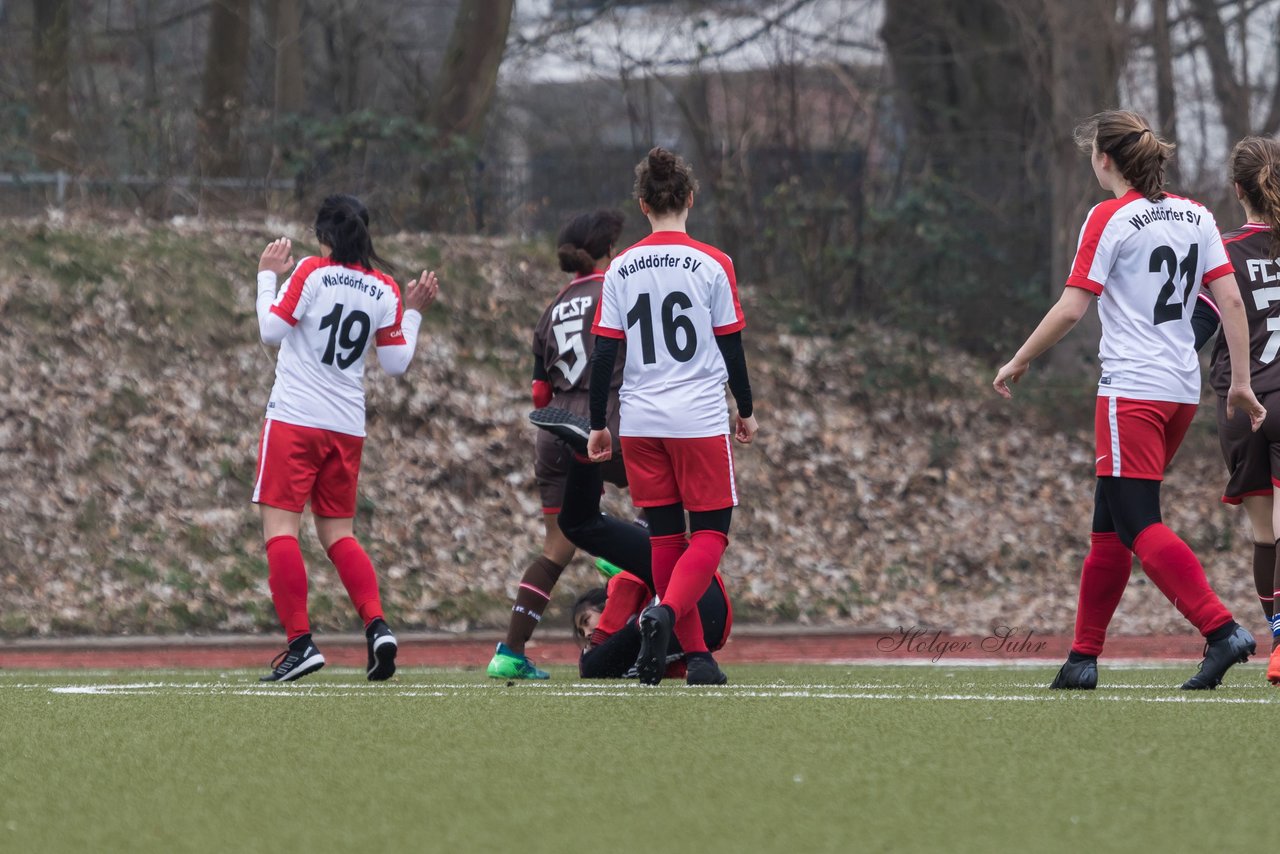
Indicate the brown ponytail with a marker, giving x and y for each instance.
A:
(664, 181)
(586, 239)
(1126, 137)
(1255, 166)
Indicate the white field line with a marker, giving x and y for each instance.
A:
(885, 692)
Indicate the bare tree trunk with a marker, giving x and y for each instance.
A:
(52, 132)
(1232, 96)
(226, 70)
(1085, 45)
(286, 36)
(464, 90)
(1166, 97)
(469, 71)
(1085, 61)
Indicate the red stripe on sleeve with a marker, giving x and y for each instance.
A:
(391, 334)
(1086, 283)
(598, 329)
(1090, 237)
(280, 312)
(288, 303)
(607, 331)
(1218, 272)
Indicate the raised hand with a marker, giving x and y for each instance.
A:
(277, 257)
(422, 291)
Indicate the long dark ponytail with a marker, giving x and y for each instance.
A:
(342, 224)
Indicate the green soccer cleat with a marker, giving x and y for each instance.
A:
(506, 664)
(608, 570)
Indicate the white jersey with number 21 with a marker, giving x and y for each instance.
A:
(1146, 262)
(669, 296)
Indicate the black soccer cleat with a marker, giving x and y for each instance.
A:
(300, 659)
(701, 669)
(382, 651)
(656, 623)
(1219, 655)
(573, 430)
(1079, 675)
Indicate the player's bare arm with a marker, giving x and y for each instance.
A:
(1057, 322)
(1235, 326)
(277, 257)
(421, 292)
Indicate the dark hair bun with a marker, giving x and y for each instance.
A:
(575, 259)
(662, 164)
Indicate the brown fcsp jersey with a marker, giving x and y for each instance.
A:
(563, 343)
(1259, 279)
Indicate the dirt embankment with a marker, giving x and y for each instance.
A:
(889, 486)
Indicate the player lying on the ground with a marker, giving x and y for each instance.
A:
(605, 626)
(612, 645)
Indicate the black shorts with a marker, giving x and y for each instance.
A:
(552, 456)
(1253, 459)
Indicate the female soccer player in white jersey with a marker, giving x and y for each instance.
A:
(1253, 458)
(324, 318)
(1144, 254)
(670, 297)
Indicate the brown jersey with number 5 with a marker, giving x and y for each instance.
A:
(1259, 279)
(563, 343)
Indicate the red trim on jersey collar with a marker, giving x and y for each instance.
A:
(598, 274)
(1257, 226)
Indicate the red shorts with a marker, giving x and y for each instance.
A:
(1138, 438)
(297, 464)
(696, 472)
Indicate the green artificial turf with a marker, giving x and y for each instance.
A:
(792, 759)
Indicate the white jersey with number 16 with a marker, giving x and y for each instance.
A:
(669, 296)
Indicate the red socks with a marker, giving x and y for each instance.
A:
(693, 573)
(666, 551)
(627, 594)
(1102, 581)
(356, 571)
(1173, 567)
(287, 577)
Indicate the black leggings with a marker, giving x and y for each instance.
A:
(1125, 506)
(623, 544)
(669, 519)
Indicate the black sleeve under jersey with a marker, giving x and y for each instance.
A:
(540, 370)
(1204, 322)
(602, 362)
(613, 658)
(735, 361)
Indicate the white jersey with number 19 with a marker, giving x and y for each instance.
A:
(668, 296)
(336, 312)
(1146, 261)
